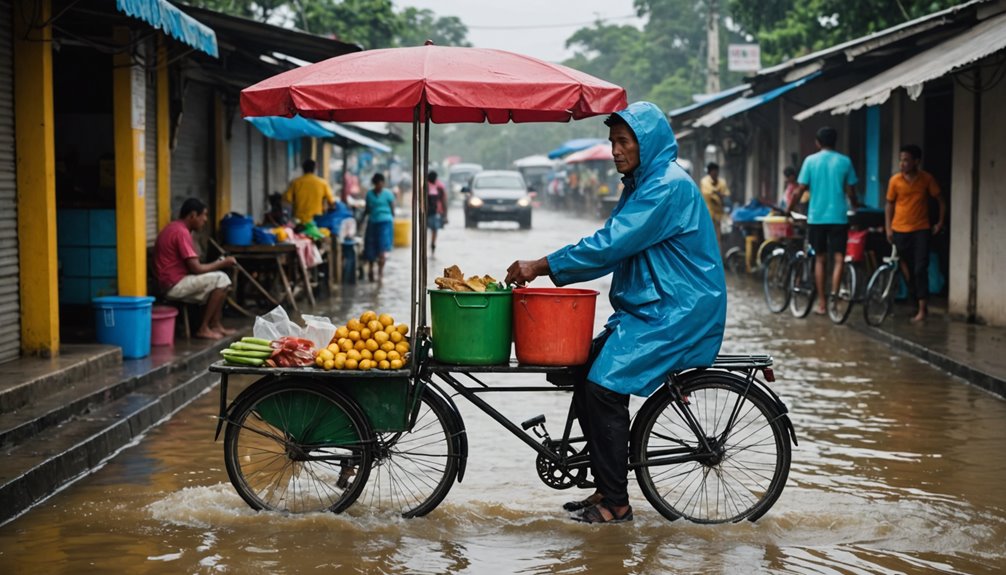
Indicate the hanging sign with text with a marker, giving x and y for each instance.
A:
(743, 58)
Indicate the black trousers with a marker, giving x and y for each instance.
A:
(913, 248)
(604, 418)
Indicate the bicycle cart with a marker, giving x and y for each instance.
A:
(711, 445)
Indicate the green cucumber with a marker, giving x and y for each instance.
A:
(251, 354)
(244, 360)
(256, 341)
(239, 345)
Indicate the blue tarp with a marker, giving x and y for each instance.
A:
(288, 129)
(164, 16)
(280, 128)
(744, 104)
(574, 146)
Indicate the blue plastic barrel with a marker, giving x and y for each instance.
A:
(124, 321)
(237, 229)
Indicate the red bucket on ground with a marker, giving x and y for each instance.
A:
(553, 326)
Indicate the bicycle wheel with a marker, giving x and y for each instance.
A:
(414, 470)
(801, 287)
(751, 452)
(775, 282)
(767, 249)
(840, 304)
(877, 302)
(733, 261)
(297, 446)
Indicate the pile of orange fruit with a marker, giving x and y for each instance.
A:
(371, 342)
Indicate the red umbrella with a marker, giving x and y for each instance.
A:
(600, 152)
(454, 84)
(432, 83)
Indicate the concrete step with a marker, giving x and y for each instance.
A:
(23, 381)
(39, 466)
(62, 430)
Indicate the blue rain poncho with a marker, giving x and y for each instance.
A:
(668, 288)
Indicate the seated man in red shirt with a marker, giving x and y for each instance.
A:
(182, 277)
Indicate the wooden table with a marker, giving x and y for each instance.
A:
(281, 254)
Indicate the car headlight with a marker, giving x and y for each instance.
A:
(524, 202)
(475, 202)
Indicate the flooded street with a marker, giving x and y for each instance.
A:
(899, 469)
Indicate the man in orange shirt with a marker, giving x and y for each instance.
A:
(907, 221)
(309, 195)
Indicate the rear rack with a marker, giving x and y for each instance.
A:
(743, 361)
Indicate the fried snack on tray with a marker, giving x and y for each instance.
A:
(454, 280)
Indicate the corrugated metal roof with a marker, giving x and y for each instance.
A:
(708, 99)
(970, 46)
(744, 104)
(164, 16)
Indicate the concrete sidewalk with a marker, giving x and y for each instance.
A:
(976, 353)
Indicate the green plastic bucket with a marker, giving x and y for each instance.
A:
(471, 328)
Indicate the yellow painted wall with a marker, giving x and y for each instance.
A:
(36, 188)
(163, 151)
(223, 155)
(130, 171)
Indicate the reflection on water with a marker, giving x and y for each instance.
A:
(899, 470)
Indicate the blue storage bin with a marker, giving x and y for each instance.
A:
(74, 261)
(124, 321)
(102, 228)
(72, 228)
(104, 262)
(237, 230)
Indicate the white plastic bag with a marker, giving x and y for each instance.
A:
(276, 324)
(319, 330)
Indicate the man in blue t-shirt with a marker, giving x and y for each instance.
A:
(829, 176)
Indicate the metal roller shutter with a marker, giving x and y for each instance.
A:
(192, 165)
(258, 187)
(239, 166)
(150, 144)
(10, 300)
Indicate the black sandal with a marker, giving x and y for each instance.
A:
(593, 515)
(583, 503)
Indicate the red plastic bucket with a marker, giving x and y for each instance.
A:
(553, 326)
(162, 325)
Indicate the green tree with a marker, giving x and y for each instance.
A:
(417, 26)
(369, 23)
(787, 28)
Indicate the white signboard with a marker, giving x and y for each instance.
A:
(743, 58)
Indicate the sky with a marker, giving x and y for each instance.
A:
(537, 28)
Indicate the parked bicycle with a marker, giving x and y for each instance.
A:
(881, 289)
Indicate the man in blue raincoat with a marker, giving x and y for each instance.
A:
(668, 292)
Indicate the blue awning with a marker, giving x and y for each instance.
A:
(164, 16)
(571, 146)
(744, 104)
(281, 128)
(353, 136)
(709, 99)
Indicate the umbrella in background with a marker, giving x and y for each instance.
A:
(576, 145)
(432, 83)
(599, 152)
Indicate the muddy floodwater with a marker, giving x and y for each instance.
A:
(900, 469)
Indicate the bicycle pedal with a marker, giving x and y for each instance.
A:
(536, 420)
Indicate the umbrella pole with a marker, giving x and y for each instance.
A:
(416, 230)
(424, 212)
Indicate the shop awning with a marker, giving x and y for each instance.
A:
(744, 104)
(576, 145)
(164, 16)
(352, 136)
(970, 46)
(708, 99)
(281, 128)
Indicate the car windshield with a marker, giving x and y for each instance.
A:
(499, 183)
(459, 177)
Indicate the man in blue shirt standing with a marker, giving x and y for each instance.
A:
(829, 176)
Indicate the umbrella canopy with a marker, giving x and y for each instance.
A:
(533, 162)
(455, 84)
(599, 153)
(576, 145)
